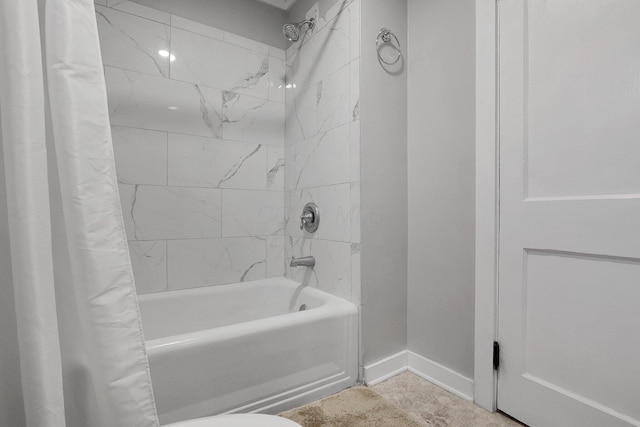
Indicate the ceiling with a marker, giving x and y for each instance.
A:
(280, 4)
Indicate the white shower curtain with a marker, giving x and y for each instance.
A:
(80, 349)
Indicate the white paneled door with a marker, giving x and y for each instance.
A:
(569, 256)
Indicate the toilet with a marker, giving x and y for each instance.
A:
(237, 420)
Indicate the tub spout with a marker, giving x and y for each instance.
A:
(305, 261)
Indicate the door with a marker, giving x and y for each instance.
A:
(569, 243)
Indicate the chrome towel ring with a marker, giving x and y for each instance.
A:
(386, 36)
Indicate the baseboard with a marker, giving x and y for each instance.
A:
(431, 371)
(385, 368)
(440, 375)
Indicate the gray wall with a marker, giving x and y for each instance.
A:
(384, 186)
(247, 18)
(442, 181)
(11, 404)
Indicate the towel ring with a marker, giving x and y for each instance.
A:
(387, 37)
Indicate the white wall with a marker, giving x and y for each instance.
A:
(383, 112)
(298, 11)
(441, 152)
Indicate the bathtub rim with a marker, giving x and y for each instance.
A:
(331, 306)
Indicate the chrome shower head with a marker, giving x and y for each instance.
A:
(292, 31)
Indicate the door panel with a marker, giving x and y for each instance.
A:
(569, 256)
(564, 322)
(582, 74)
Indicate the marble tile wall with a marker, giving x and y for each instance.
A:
(198, 126)
(322, 149)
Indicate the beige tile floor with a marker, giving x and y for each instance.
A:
(435, 406)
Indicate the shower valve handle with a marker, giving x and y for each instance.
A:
(310, 218)
(305, 218)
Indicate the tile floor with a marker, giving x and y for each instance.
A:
(435, 406)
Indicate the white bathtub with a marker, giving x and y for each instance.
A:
(246, 347)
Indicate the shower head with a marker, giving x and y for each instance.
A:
(292, 31)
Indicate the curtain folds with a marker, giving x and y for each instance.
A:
(81, 349)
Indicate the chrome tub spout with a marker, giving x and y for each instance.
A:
(305, 261)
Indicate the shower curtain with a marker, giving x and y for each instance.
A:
(79, 358)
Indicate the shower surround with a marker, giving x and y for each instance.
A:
(322, 151)
(197, 120)
(203, 123)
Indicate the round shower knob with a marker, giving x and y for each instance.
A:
(310, 218)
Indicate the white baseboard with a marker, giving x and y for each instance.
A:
(440, 375)
(386, 368)
(431, 371)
